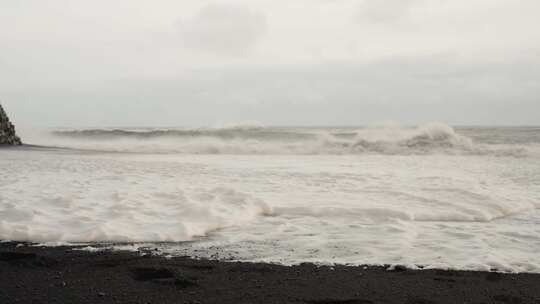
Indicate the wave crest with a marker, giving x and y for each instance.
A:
(435, 137)
(431, 138)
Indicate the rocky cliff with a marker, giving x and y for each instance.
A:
(7, 130)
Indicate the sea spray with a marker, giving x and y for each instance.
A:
(433, 138)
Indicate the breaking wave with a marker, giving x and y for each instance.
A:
(426, 139)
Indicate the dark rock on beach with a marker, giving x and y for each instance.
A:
(7, 130)
(33, 274)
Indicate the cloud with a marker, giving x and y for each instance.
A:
(223, 29)
(307, 62)
(385, 11)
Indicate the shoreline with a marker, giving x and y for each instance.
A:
(63, 275)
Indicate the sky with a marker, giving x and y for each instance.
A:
(76, 63)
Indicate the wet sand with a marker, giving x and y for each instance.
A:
(63, 275)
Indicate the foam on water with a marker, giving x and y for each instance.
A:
(69, 200)
(420, 196)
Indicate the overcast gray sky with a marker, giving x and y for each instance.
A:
(294, 62)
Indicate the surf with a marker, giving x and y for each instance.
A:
(432, 138)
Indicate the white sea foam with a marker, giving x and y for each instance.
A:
(420, 196)
(74, 201)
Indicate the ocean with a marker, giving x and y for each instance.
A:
(430, 196)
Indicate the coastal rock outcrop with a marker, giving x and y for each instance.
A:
(7, 130)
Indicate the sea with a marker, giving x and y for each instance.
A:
(427, 196)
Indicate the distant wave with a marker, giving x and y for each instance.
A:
(224, 133)
(425, 139)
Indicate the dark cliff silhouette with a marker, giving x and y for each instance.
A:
(7, 130)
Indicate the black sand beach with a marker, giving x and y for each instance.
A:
(63, 275)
